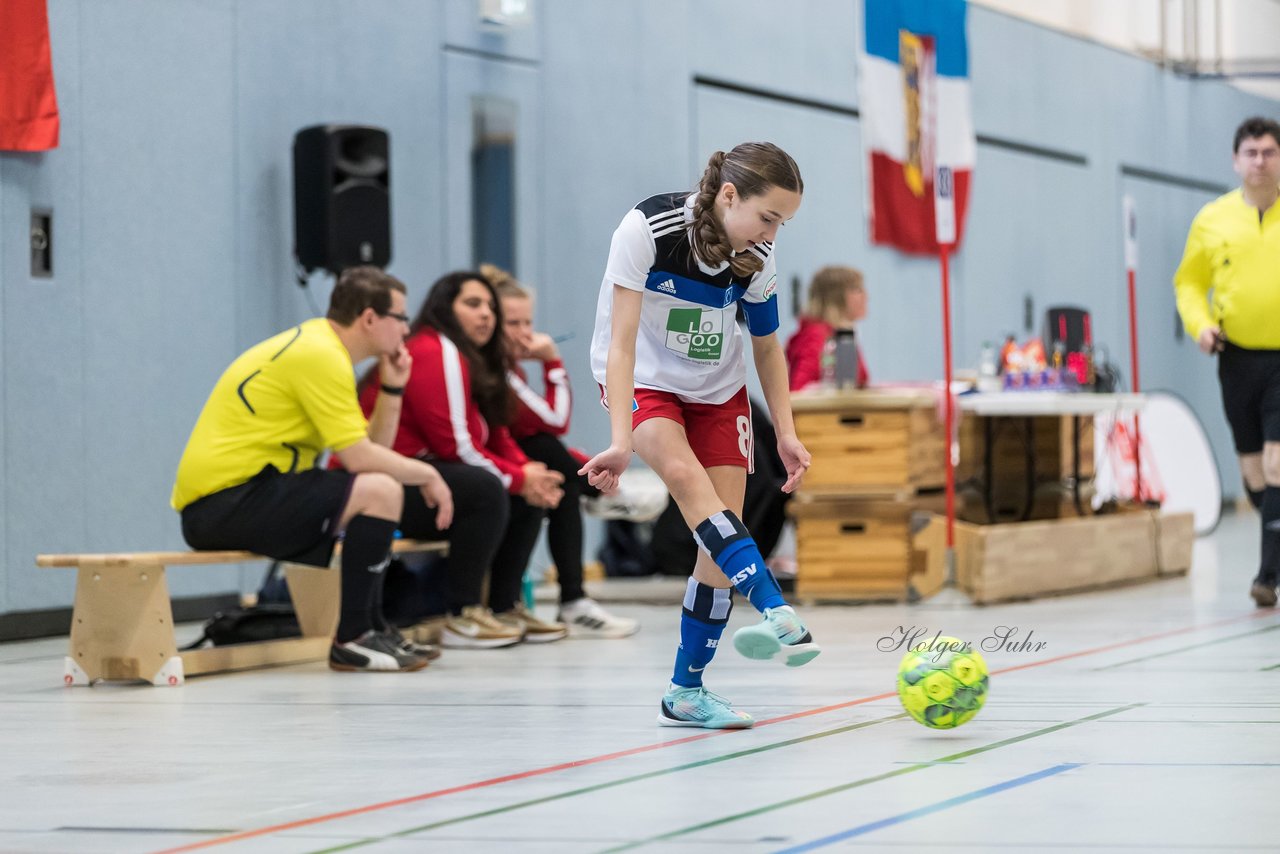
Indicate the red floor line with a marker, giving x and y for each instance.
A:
(579, 763)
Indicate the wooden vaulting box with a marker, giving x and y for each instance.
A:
(873, 448)
(873, 451)
(860, 548)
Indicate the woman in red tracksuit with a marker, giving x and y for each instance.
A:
(455, 413)
(837, 300)
(540, 420)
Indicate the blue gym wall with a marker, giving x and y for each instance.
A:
(171, 193)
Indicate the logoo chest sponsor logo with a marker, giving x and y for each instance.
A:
(696, 333)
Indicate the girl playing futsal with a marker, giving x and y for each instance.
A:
(668, 355)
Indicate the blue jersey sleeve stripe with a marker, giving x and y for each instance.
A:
(762, 317)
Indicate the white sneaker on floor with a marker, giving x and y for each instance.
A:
(641, 497)
(586, 619)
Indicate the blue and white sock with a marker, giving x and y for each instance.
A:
(706, 610)
(727, 541)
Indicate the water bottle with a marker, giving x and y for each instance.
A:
(846, 354)
(987, 364)
(988, 371)
(827, 364)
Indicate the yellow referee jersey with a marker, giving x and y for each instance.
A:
(281, 402)
(1238, 256)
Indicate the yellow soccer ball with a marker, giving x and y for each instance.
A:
(942, 683)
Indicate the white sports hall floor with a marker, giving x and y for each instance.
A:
(1149, 721)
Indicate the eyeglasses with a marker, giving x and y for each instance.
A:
(403, 318)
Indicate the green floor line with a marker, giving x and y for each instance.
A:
(844, 787)
(1272, 667)
(648, 775)
(1185, 648)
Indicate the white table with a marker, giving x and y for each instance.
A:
(1029, 404)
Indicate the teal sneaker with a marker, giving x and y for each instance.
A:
(699, 707)
(780, 633)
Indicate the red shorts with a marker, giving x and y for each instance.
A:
(719, 433)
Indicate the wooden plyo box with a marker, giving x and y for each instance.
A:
(866, 440)
(860, 548)
(1023, 560)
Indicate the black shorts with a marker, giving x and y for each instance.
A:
(1251, 396)
(291, 517)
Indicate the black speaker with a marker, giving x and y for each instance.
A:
(1068, 326)
(341, 197)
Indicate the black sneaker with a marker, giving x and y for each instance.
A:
(429, 651)
(373, 651)
(1263, 592)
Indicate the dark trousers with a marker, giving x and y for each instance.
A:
(1250, 382)
(564, 523)
(493, 533)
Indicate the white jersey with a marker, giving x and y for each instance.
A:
(688, 342)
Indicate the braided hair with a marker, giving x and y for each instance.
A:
(753, 168)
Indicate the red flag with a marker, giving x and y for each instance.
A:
(28, 105)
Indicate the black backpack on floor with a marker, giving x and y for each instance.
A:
(272, 618)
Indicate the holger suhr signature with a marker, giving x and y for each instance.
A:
(916, 639)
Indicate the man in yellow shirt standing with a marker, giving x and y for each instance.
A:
(1233, 249)
(247, 479)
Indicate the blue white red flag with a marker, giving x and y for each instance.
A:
(916, 120)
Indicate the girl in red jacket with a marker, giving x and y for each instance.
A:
(540, 420)
(837, 300)
(455, 413)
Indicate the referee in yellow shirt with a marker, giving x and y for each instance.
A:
(1233, 250)
(248, 477)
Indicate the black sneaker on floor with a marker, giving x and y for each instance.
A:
(373, 651)
(429, 651)
(1263, 592)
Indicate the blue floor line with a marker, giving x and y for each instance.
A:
(931, 808)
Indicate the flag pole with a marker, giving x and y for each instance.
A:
(944, 259)
(1133, 362)
(1131, 269)
(945, 236)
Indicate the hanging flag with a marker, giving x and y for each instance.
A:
(914, 75)
(28, 106)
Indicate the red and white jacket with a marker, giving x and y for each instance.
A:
(804, 355)
(541, 413)
(440, 419)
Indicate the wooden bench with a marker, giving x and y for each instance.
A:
(122, 621)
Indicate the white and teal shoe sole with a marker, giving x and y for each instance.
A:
(759, 643)
(665, 719)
